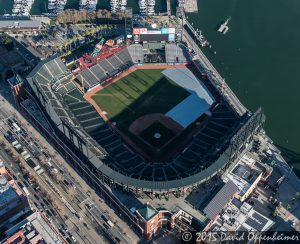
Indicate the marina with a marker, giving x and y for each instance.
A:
(56, 6)
(88, 4)
(22, 8)
(118, 5)
(147, 7)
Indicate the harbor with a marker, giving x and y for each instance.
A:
(251, 36)
(22, 8)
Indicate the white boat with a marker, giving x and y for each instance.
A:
(117, 5)
(92, 4)
(83, 4)
(52, 4)
(88, 4)
(147, 7)
(22, 7)
(224, 27)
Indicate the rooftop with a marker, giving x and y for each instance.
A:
(32, 230)
(220, 200)
(147, 212)
(9, 192)
(242, 217)
(15, 80)
(244, 173)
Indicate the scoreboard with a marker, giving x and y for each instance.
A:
(156, 35)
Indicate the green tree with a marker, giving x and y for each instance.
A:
(7, 42)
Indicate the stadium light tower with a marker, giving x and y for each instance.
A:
(82, 81)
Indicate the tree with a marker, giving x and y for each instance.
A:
(7, 42)
(277, 210)
(58, 177)
(71, 192)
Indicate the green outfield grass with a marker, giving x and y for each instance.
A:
(142, 92)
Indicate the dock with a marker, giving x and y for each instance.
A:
(190, 6)
(169, 7)
(224, 27)
(211, 72)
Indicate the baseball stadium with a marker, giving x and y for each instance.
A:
(143, 114)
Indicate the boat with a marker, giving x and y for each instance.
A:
(123, 4)
(22, 7)
(224, 27)
(143, 6)
(150, 7)
(147, 7)
(117, 5)
(83, 4)
(52, 4)
(92, 5)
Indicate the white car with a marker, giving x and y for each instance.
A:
(74, 239)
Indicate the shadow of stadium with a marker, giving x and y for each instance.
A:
(161, 97)
(150, 102)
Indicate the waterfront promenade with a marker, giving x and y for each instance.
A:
(213, 74)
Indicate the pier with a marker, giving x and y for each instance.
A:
(190, 6)
(224, 27)
(169, 7)
(205, 66)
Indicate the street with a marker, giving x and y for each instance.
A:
(65, 187)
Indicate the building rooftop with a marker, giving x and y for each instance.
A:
(9, 192)
(15, 80)
(242, 217)
(244, 173)
(148, 212)
(34, 229)
(220, 200)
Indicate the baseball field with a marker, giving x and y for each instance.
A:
(142, 92)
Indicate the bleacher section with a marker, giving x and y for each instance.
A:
(105, 68)
(176, 53)
(198, 156)
(85, 113)
(136, 53)
(221, 121)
